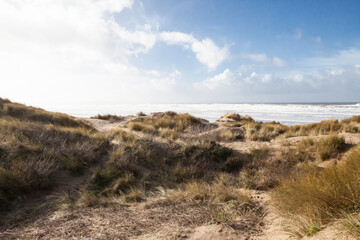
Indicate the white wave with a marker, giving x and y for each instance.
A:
(289, 114)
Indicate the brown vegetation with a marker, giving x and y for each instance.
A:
(37, 145)
(106, 117)
(167, 125)
(194, 170)
(258, 131)
(317, 197)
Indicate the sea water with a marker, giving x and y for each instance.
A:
(285, 113)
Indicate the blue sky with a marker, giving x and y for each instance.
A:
(131, 51)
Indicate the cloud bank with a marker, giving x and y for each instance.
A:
(66, 51)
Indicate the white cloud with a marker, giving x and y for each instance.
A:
(140, 41)
(348, 57)
(153, 73)
(251, 79)
(206, 51)
(279, 62)
(210, 54)
(257, 57)
(221, 80)
(322, 85)
(263, 58)
(266, 78)
(298, 77)
(175, 74)
(179, 38)
(74, 51)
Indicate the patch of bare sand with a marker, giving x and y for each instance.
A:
(107, 125)
(112, 222)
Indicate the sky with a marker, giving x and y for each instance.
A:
(170, 51)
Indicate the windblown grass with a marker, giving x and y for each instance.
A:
(318, 196)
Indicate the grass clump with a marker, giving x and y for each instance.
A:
(141, 114)
(123, 136)
(330, 146)
(321, 196)
(238, 118)
(106, 117)
(264, 131)
(353, 119)
(169, 134)
(168, 124)
(229, 135)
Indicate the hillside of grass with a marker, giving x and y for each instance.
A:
(37, 146)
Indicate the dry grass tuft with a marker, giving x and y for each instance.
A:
(330, 146)
(321, 196)
(107, 117)
(230, 135)
(169, 134)
(350, 224)
(122, 136)
(264, 131)
(238, 118)
(168, 125)
(141, 114)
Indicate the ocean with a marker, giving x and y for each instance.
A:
(285, 113)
